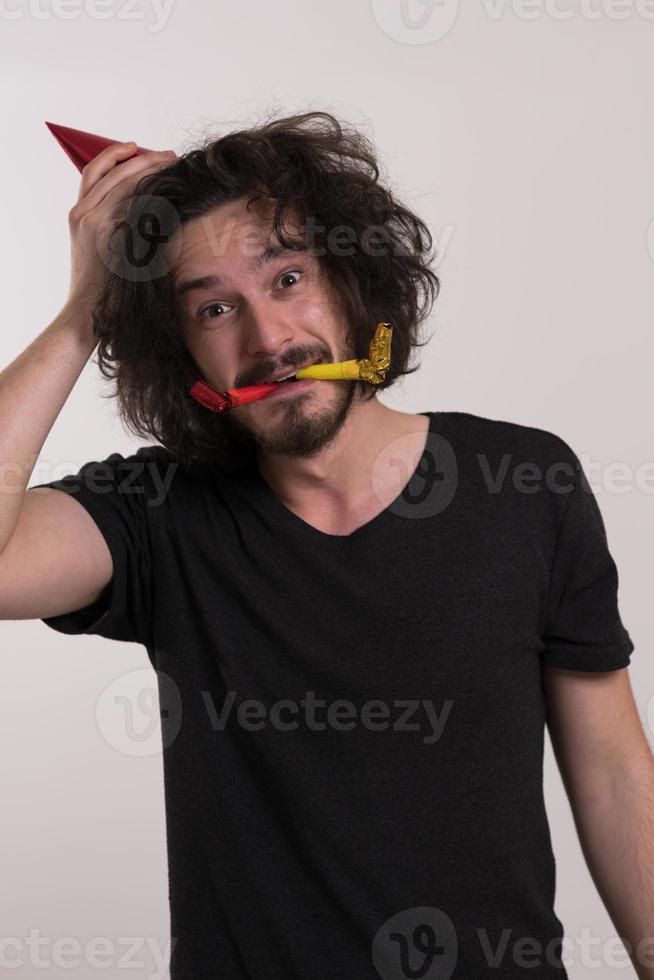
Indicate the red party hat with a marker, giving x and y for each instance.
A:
(82, 147)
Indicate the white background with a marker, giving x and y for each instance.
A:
(523, 136)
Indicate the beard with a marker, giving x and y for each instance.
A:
(293, 431)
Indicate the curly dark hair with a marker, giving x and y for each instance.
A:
(307, 165)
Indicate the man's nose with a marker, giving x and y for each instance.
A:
(267, 330)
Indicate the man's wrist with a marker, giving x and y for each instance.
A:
(76, 317)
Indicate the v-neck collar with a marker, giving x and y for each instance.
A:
(266, 495)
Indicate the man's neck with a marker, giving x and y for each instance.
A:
(354, 477)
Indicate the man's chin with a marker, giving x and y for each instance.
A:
(297, 428)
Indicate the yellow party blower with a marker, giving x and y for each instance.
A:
(372, 369)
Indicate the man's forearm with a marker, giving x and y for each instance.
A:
(33, 390)
(616, 831)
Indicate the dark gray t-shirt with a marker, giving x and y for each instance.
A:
(353, 725)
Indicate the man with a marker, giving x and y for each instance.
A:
(360, 618)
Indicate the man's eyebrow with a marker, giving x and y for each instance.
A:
(269, 253)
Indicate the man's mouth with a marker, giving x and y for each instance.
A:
(287, 376)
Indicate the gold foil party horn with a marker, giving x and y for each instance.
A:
(372, 369)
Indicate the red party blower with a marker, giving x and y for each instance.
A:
(82, 147)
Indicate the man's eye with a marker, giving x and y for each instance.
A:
(293, 274)
(213, 306)
(286, 275)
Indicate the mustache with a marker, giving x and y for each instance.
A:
(286, 363)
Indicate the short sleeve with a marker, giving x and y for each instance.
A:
(584, 630)
(114, 492)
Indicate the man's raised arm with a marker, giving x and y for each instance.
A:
(53, 557)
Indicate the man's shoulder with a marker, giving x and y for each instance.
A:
(153, 453)
(484, 434)
(143, 470)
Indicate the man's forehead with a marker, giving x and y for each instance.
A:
(204, 249)
(234, 222)
(213, 241)
(217, 233)
(186, 283)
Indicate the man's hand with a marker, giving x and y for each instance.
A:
(107, 183)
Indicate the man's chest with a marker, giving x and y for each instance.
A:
(426, 614)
